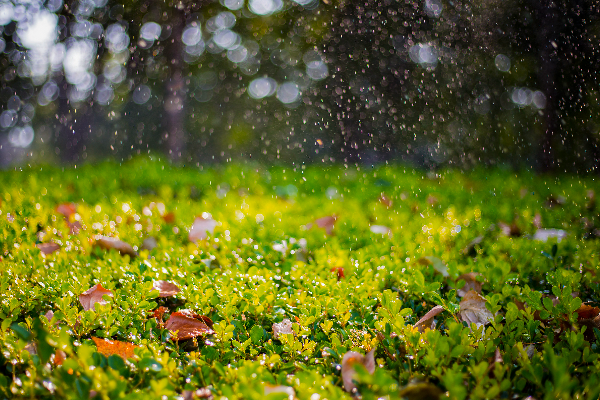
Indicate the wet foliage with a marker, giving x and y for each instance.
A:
(296, 290)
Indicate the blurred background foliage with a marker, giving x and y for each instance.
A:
(428, 82)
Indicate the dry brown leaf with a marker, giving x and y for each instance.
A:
(165, 289)
(201, 228)
(471, 283)
(122, 247)
(587, 312)
(110, 347)
(94, 295)
(47, 248)
(169, 218)
(426, 322)
(351, 359)
(283, 327)
(66, 209)
(473, 311)
(185, 327)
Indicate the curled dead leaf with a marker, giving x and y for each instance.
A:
(283, 327)
(110, 347)
(47, 248)
(471, 283)
(473, 310)
(426, 322)
(201, 228)
(94, 295)
(165, 289)
(185, 327)
(351, 359)
(107, 243)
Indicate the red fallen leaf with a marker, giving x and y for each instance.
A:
(47, 248)
(122, 247)
(74, 227)
(201, 228)
(426, 322)
(471, 283)
(158, 313)
(169, 218)
(204, 318)
(110, 347)
(473, 311)
(386, 201)
(66, 209)
(165, 289)
(59, 357)
(587, 312)
(339, 271)
(326, 223)
(283, 327)
(186, 327)
(351, 359)
(94, 295)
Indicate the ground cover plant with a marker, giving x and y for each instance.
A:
(242, 282)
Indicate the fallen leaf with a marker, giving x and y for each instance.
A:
(165, 289)
(280, 389)
(204, 318)
(122, 247)
(169, 218)
(59, 357)
(544, 234)
(283, 327)
(158, 313)
(587, 312)
(66, 209)
(351, 359)
(386, 201)
(471, 283)
(339, 271)
(110, 347)
(94, 295)
(201, 228)
(47, 248)
(203, 393)
(326, 223)
(473, 311)
(185, 327)
(426, 322)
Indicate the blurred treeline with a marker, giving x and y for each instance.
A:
(433, 82)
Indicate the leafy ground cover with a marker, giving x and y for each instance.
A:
(241, 282)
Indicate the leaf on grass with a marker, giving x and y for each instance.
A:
(66, 209)
(203, 393)
(351, 359)
(158, 313)
(47, 248)
(589, 317)
(185, 327)
(386, 201)
(122, 247)
(471, 283)
(587, 312)
(280, 389)
(326, 223)
(339, 271)
(169, 218)
(94, 295)
(426, 322)
(473, 311)
(283, 327)
(59, 357)
(203, 318)
(201, 228)
(110, 347)
(165, 289)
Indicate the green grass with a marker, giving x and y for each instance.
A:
(238, 279)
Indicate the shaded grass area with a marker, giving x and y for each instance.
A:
(401, 244)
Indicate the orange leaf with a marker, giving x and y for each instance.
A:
(169, 218)
(339, 271)
(94, 295)
(352, 358)
(587, 312)
(66, 209)
(186, 327)
(110, 347)
(108, 243)
(201, 228)
(47, 248)
(165, 289)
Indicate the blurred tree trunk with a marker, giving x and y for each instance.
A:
(548, 33)
(176, 88)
